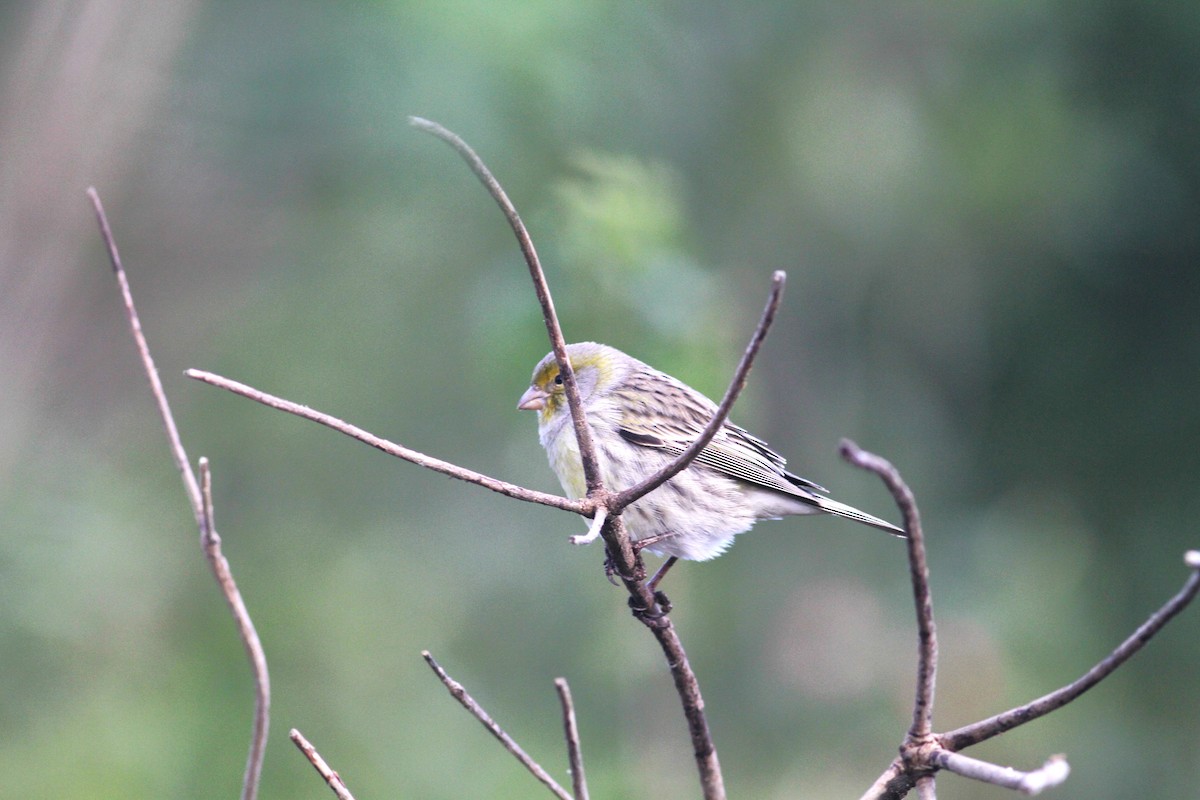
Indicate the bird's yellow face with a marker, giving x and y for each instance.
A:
(595, 369)
(545, 394)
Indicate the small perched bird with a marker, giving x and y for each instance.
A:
(641, 419)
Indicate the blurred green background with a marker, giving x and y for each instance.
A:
(990, 218)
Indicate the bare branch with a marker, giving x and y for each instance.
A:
(190, 485)
(201, 503)
(571, 731)
(332, 779)
(583, 433)
(460, 694)
(893, 784)
(583, 507)
(210, 541)
(923, 751)
(1052, 773)
(971, 734)
(740, 375)
(927, 787)
(918, 565)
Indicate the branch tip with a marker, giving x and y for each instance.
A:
(1192, 559)
(1052, 773)
(332, 779)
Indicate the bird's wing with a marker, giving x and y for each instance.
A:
(733, 451)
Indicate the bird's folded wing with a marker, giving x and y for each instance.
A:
(733, 451)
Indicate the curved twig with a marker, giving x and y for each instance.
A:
(201, 502)
(583, 433)
(918, 565)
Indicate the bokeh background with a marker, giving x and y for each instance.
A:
(990, 218)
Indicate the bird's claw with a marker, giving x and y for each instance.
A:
(612, 573)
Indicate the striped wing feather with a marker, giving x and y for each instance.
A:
(677, 417)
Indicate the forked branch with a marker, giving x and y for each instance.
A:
(199, 493)
(924, 752)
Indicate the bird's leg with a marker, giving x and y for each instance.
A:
(662, 604)
(652, 585)
(650, 541)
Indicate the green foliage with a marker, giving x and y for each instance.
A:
(989, 218)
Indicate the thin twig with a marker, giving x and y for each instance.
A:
(571, 731)
(583, 433)
(190, 485)
(391, 448)
(463, 697)
(201, 503)
(927, 787)
(210, 541)
(971, 734)
(1052, 773)
(630, 495)
(332, 779)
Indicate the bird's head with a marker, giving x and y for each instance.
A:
(597, 367)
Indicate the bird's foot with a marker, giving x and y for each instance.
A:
(612, 573)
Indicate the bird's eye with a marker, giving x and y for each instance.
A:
(558, 379)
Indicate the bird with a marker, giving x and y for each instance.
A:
(641, 419)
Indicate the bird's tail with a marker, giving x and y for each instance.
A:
(849, 512)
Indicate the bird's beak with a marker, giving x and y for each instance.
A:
(534, 399)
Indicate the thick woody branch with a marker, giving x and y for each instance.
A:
(199, 494)
(740, 376)
(332, 779)
(391, 448)
(464, 698)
